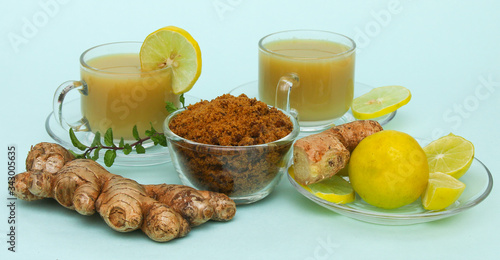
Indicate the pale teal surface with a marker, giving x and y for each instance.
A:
(446, 52)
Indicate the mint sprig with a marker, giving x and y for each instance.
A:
(93, 150)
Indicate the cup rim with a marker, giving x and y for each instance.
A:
(336, 55)
(85, 65)
(288, 138)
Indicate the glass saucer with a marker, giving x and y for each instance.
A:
(154, 154)
(478, 181)
(251, 90)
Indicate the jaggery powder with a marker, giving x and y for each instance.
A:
(231, 121)
(232, 124)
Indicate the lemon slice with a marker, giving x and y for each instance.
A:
(334, 189)
(442, 191)
(380, 101)
(176, 49)
(450, 154)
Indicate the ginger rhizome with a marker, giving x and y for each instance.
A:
(163, 212)
(322, 155)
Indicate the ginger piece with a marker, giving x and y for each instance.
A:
(125, 205)
(47, 157)
(224, 208)
(320, 156)
(197, 207)
(85, 186)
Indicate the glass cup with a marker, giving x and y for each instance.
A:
(308, 72)
(114, 93)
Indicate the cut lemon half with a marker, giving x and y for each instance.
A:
(380, 101)
(450, 154)
(442, 191)
(334, 189)
(174, 48)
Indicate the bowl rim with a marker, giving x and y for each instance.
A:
(287, 139)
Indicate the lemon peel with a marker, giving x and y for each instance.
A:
(173, 48)
(380, 101)
(442, 191)
(334, 189)
(450, 154)
(388, 169)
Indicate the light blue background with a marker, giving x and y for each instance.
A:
(445, 52)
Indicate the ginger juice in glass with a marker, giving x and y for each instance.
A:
(119, 95)
(324, 65)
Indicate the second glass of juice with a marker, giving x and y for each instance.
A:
(321, 68)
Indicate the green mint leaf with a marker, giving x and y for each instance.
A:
(171, 107)
(76, 143)
(150, 133)
(109, 157)
(160, 139)
(182, 100)
(97, 140)
(96, 154)
(77, 155)
(127, 149)
(108, 138)
(122, 143)
(153, 138)
(153, 128)
(135, 133)
(140, 149)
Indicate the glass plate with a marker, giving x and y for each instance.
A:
(478, 181)
(251, 89)
(154, 154)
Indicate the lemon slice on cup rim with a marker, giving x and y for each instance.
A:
(334, 189)
(176, 49)
(380, 101)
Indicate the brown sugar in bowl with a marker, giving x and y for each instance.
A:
(234, 145)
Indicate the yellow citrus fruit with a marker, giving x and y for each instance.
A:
(388, 169)
(450, 154)
(380, 101)
(174, 48)
(334, 189)
(442, 191)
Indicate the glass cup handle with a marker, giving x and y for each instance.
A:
(58, 104)
(283, 90)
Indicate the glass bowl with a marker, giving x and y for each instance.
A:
(245, 173)
(478, 181)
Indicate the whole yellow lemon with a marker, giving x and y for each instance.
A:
(389, 169)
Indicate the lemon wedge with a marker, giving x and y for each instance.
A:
(334, 189)
(380, 101)
(442, 191)
(450, 154)
(176, 49)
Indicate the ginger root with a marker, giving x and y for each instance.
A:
(320, 156)
(197, 207)
(163, 212)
